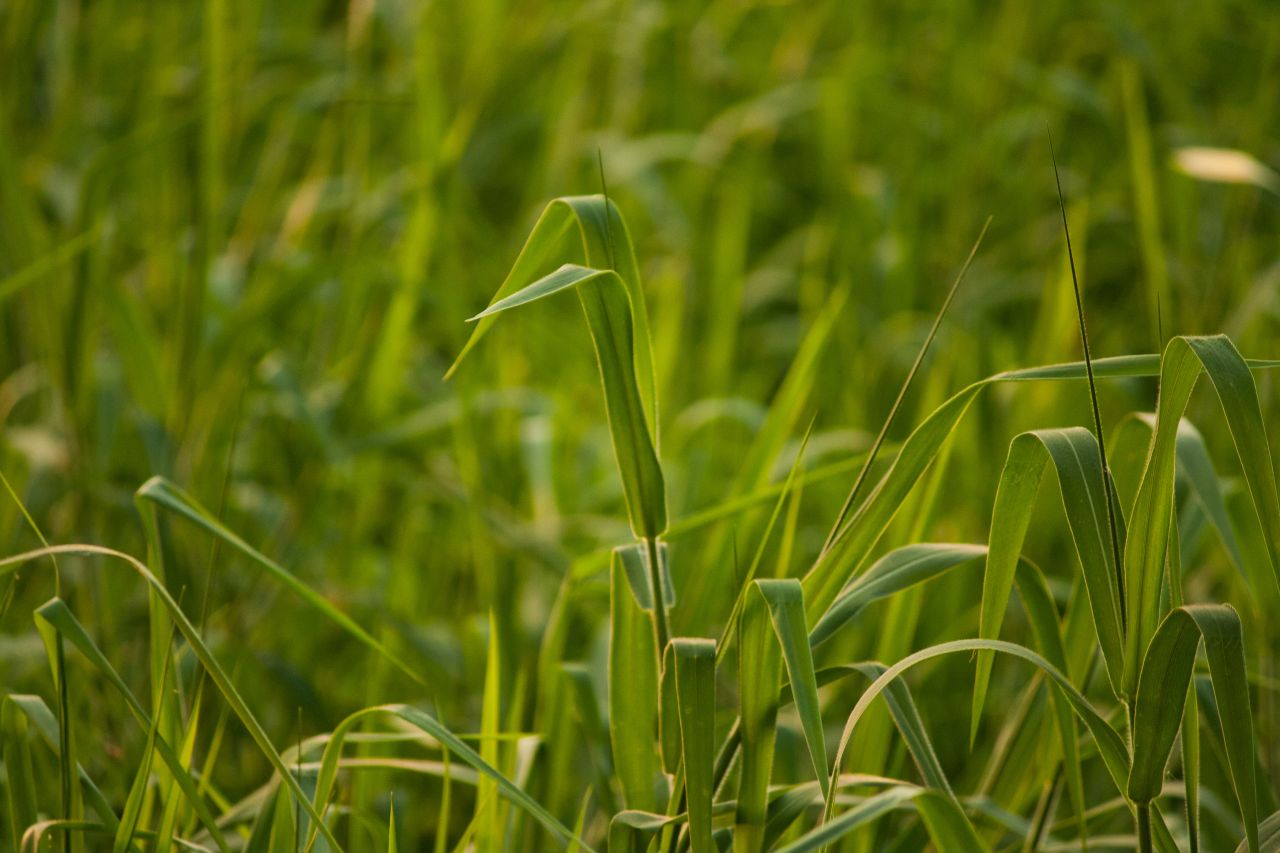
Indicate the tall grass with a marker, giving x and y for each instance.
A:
(731, 563)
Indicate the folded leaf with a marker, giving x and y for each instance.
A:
(1162, 691)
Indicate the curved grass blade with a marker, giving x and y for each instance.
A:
(630, 830)
(1196, 467)
(1184, 360)
(603, 243)
(1110, 744)
(1268, 836)
(1043, 616)
(946, 823)
(331, 760)
(902, 709)
(900, 569)
(162, 492)
(57, 614)
(837, 564)
(206, 658)
(868, 810)
(1162, 691)
(1074, 455)
(608, 308)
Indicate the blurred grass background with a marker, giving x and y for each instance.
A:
(238, 241)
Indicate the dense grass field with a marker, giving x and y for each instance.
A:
(709, 541)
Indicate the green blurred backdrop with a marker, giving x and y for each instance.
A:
(239, 240)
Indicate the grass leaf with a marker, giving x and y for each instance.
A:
(695, 674)
(1184, 360)
(1162, 690)
(1074, 454)
(633, 687)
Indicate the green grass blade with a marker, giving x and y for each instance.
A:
(902, 568)
(630, 830)
(40, 718)
(1110, 744)
(1184, 360)
(823, 582)
(1043, 616)
(605, 244)
(841, 825)
(206, 658)
(21, 808)
(947, 823)
(633, 687)
(730, 629)
(785, 598)
(392, 847)
(545, 238)
(695, 674)
(142, 780)
(57, 614)
(488, 816)
(669, 712)
(163, 493)
(1196, 467)
(610, 318)
(1162, 689)
(427, 723)
(1268, 836)
(1074, 455)
(759, 680)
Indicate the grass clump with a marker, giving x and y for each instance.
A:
(775, 551)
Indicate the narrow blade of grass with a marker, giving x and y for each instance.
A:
(695, 674)
(633, 688)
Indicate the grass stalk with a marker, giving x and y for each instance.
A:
(1093, 394)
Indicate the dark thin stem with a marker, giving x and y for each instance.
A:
(1093, 394)
(837, 528)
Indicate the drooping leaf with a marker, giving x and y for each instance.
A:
(833, 570)
(603, 243)
(163, 493)
(900, 569)
(1162, 690)
(608, 308)
(1074, 454)
(1111, 745)
(1185, 358)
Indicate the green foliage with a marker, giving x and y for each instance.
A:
(411, 584)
